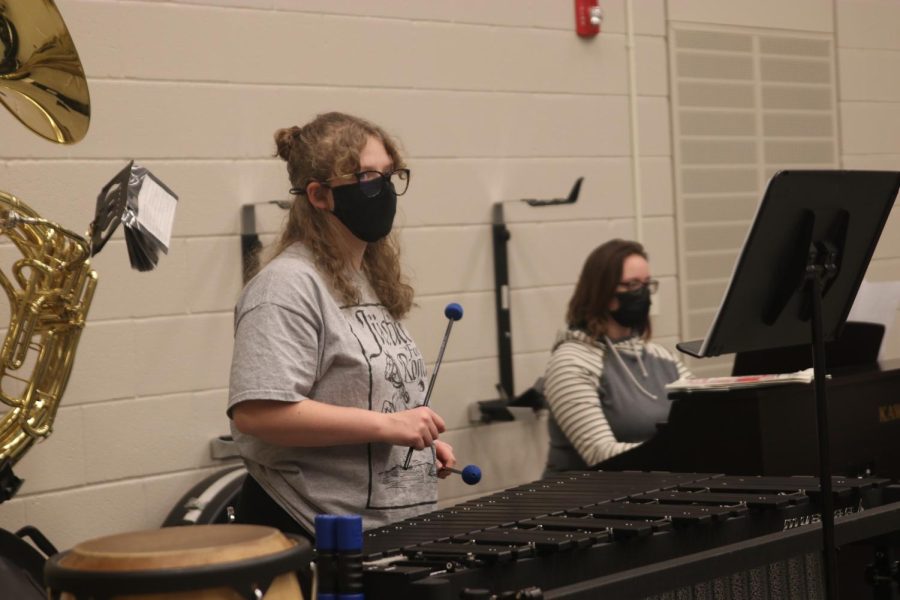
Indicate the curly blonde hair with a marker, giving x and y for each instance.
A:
(327, 146)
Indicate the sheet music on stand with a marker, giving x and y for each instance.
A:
(714, 384)
(145, 205)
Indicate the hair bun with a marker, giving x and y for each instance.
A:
(284, 141)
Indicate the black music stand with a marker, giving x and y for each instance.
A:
(795, 281)
(857, 345)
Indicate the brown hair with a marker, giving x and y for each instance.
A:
(327, 146)
(596, 287)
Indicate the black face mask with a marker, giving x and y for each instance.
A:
(369, 219)
(634, 309)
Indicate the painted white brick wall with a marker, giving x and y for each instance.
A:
(492, 101)
(868, 54)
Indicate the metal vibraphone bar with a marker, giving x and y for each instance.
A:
(550, 538)
(772, 557)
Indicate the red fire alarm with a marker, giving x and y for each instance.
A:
(588, 16)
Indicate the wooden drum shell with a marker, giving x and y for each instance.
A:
(200, 562)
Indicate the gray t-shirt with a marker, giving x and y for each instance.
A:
(294, 340)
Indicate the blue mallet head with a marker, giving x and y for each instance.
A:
(453, 311)
(471, 474)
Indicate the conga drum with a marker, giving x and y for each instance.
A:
(200, 562)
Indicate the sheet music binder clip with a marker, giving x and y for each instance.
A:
(145, 205)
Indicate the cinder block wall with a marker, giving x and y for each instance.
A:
(493, 101)
(868, 53)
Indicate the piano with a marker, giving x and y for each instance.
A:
(623, 535)
(772, 430)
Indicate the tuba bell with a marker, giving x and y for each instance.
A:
(41, 78)
(50, 282)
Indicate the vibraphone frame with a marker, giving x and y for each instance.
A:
(625, 535)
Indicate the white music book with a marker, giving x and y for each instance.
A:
(713, 384)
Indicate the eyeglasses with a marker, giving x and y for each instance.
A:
(372, 183)
(635, 285)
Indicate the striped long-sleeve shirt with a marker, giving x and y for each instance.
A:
(604, 399)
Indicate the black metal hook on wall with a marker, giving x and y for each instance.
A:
(493, 410)
(250, 243)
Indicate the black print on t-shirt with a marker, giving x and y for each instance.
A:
(384, 330)
(387, 341)
(398, 383)
(400, 397)
(419, 472)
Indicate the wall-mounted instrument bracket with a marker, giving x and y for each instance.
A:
(250, 243)
(498, 410)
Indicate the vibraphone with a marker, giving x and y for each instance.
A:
(600, 534)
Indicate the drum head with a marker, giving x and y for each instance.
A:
(174, 547)
(177, 559)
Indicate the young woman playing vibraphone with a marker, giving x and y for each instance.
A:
(326, 382)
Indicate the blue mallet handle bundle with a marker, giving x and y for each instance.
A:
(453, 312)
(325, 557)
(339, 557)
(349, 558)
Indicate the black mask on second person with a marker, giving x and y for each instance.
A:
(634, 309)
(369, 219)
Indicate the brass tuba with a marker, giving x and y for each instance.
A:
(41, 78)
(50, 286)
(50, 290)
